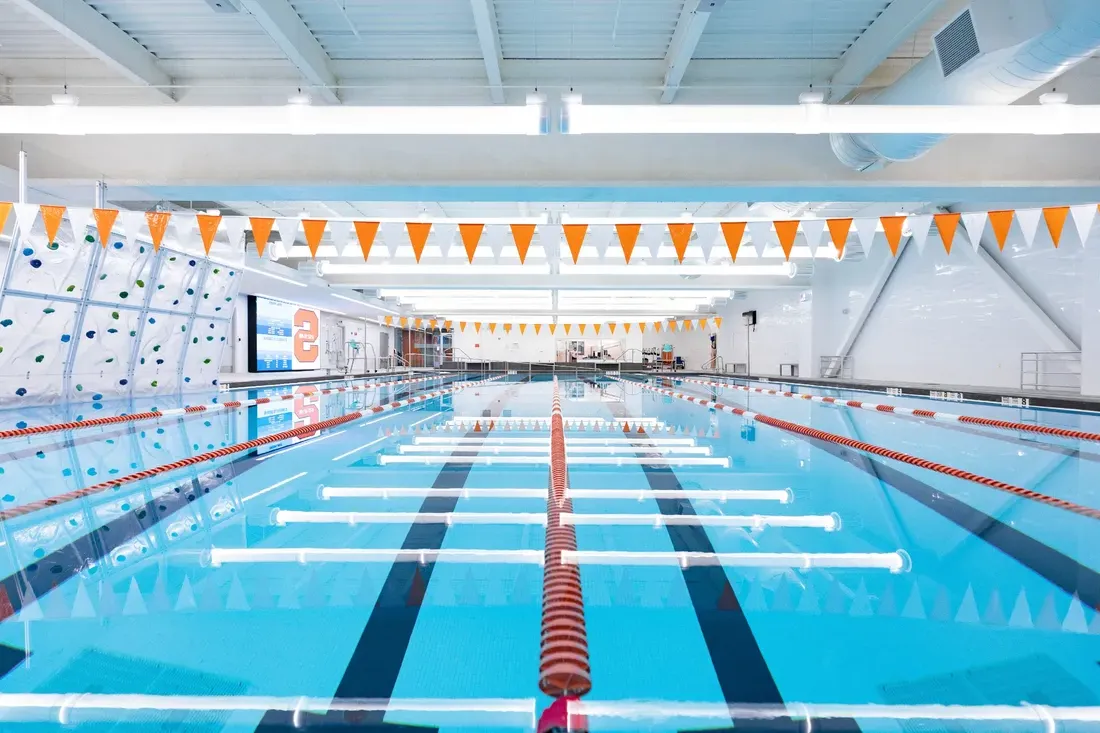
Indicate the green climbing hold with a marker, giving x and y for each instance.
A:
(205, 361)
(48, 311)
(154, 383)
(124, 295)
(103, 276)
(39, 359)
(110, 360)
(70, 289)
(89, 238)
(140, 283)
(217, 270)
(80, 388)
(133, 333)
(156, 348)
(115, 315)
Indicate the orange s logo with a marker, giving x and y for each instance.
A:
(306, 408)
(306, 331)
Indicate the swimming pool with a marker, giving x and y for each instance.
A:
(259, 591)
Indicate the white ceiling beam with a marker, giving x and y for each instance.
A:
(82, 25)
(900, 20)
(281, 22)
(485, 20)
(689, 29)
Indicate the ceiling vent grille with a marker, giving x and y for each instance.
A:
(957, 43)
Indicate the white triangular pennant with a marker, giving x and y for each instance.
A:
(443, 236)
(920, 226)
(234, 231)
(340, 231)
(394, 234)
(866, 229)
(185, 225)
(549, 238)
(975, 225)
(79, 217)
(1029, 223)
(599, 236)
(134, 605)
(813, 229)
(1083, 217)
(761, 232)
(132, 222)
(25, 214)
(707, 235)
(288, 232)
(496, 237)
(653, 235)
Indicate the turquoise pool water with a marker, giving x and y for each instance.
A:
(205, 599)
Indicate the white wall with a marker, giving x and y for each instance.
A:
(782, 334)
(529, 346)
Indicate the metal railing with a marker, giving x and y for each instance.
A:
(623, 359)
(835, 367)
(1051, 371)
(713, 364)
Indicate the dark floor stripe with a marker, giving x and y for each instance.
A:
(375, 664)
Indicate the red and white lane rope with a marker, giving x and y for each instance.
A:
(1068, 506)
(25, 509)
(193, 409)
(893, 409)
(564, 669)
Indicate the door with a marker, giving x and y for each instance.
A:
(384, 347)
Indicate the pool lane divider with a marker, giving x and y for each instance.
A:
(193, 409)
(53, 501)
(859, 445)
(564, 668)
(911, 412)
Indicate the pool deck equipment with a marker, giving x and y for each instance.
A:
(564, 668)
(53, 501)
(859, 445)
(911, 412)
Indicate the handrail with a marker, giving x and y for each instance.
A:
(712, 363)
(622, 357)
(349, 365)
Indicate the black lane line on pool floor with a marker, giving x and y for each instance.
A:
(372, 671)
(739, 664)
(40, 577)
(1058, 568)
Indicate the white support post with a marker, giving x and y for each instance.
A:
(898, 21)
(689, 29)
(22, 176)
(282, 23)
(84, 26)
(485, 20)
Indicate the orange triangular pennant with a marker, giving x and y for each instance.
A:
(51, 218)
(208, 228)
(574, 237)
(553, 327)
(626, 327)
(892, 226)
(365, 232)
(462, 326)
(471, 235)
(315, 232)
(1001, 221)
(641, 326)
(612, 327)
(567, 327)
(492, 328)
(404, 322)
(717, 322)
(522, 235)
(1054, 216)
(628, 237)
(786, 231)
(447, 325)
(686, 326)
(158, 223)
(104, 222)
(538, 327)
(417, 322)
(432, 322)
(261, 230)
(681, 235)
(733, 232)
(507, 328)
(838, 230)
(946, 225)
(596, 328)
(522, 328)
(702, 323)
(418, 235)
(389, 320)
(657, 326)
(582, 327)
(5, 209)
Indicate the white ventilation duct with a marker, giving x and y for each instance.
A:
(993, 52)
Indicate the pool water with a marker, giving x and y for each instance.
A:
(260, 592)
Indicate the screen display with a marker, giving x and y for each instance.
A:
(284, 336)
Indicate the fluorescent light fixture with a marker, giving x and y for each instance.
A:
(814, 118)
(289, 119)
(337, 268)
(364, 303)
(272, 275)
(277, 299)
(712, 270)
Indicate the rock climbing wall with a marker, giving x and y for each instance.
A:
(79, 321)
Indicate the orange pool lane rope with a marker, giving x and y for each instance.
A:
(53, 501)
(859, 445)
(564, 669)
(895, 410)
(192, 409)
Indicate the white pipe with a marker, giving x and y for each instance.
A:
(545, 460)
(286, 516)
(640, 440)
(218, 556)
(783, 496)
(827, 522)
(895, 562)
(999, 77)
(570, 449)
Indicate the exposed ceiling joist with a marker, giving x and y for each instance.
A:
(689, 29)
(82, 24)
(281, 22)
(485, 19)
(900, 20)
